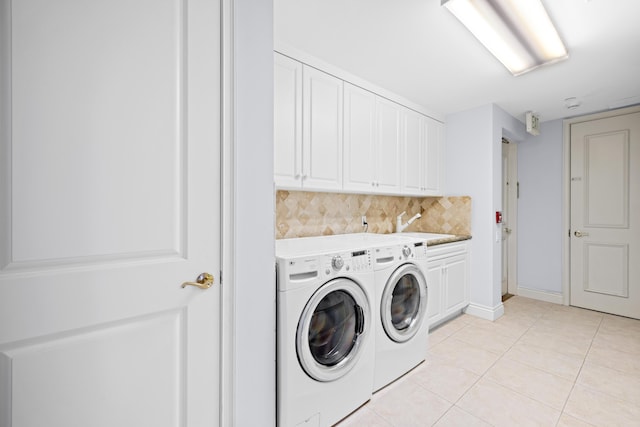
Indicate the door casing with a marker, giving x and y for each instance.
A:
(511, 215)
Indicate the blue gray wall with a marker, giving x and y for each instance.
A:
(540, 169)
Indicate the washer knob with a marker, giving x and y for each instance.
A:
(406, 251)
(337, 262)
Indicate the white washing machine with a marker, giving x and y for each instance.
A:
(325, 347)
(401, 302)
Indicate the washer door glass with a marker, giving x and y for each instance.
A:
(331, 330)
(404, 303)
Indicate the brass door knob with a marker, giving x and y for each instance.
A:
(203, 281)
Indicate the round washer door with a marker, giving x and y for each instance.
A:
(404, 303)
(332, 329)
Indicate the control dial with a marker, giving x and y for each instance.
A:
(337, 262)
(406, 251)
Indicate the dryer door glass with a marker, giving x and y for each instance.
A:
(332, 328)
(332, 332)
(404, 303)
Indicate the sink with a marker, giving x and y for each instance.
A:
(303, 246)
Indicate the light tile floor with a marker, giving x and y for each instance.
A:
(540, 364)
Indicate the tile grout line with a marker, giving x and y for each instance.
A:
(573, 386)
(542, 317)
(510, 389)
(480, 377)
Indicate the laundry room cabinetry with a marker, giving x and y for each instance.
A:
(359, 139)
(307, 127)
(287, 123)
(447, 280)
(333, 135)
(422, 155)
(372, 142)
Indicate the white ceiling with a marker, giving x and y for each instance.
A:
(420, 51)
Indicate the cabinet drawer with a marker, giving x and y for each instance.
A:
(446, 250)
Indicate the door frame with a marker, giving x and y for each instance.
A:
(566, 190)
(512, 199)
(247, 128)
(227, 289)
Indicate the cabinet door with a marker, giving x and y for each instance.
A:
(455, 289)
(287, 114)
(388, 147)
(413, 153)
(359, 138)
(433, 158)
(435, 311)
(322, 130)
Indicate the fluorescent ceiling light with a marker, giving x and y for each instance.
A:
(517, 32)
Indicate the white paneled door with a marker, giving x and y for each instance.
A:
(605, 220)
(109, 202)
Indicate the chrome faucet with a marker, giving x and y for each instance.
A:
(400, 226)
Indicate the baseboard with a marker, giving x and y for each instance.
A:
(547, 296)
(484, 312)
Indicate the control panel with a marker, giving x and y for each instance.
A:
(420, 250)
(345, 262)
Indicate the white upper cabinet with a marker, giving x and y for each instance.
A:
(433, 175)
(322, 130)
(331, 135)
(307, 127)
(287, 122)
(372, 142)
(414, 153)
(359, 139)
(422, 155)
(388, 146)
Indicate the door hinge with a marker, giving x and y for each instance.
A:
(220, 278)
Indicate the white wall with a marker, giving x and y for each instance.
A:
(540, 165)
(468, 171)
(473, 151)
(254, 268)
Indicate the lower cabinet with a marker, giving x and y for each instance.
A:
(447, 280)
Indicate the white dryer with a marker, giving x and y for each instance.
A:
(325, 345)
(401, 302)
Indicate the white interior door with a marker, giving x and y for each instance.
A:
(109, 201)
(605, 227)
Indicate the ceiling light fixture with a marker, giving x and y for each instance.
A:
(518, 33)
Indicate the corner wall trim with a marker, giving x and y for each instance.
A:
(484, 312)
(547, 296)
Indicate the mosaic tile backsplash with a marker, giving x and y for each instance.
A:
(303, 213)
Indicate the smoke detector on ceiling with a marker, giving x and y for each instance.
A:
(572, 103)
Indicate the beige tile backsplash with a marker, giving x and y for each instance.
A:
(303, 213)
